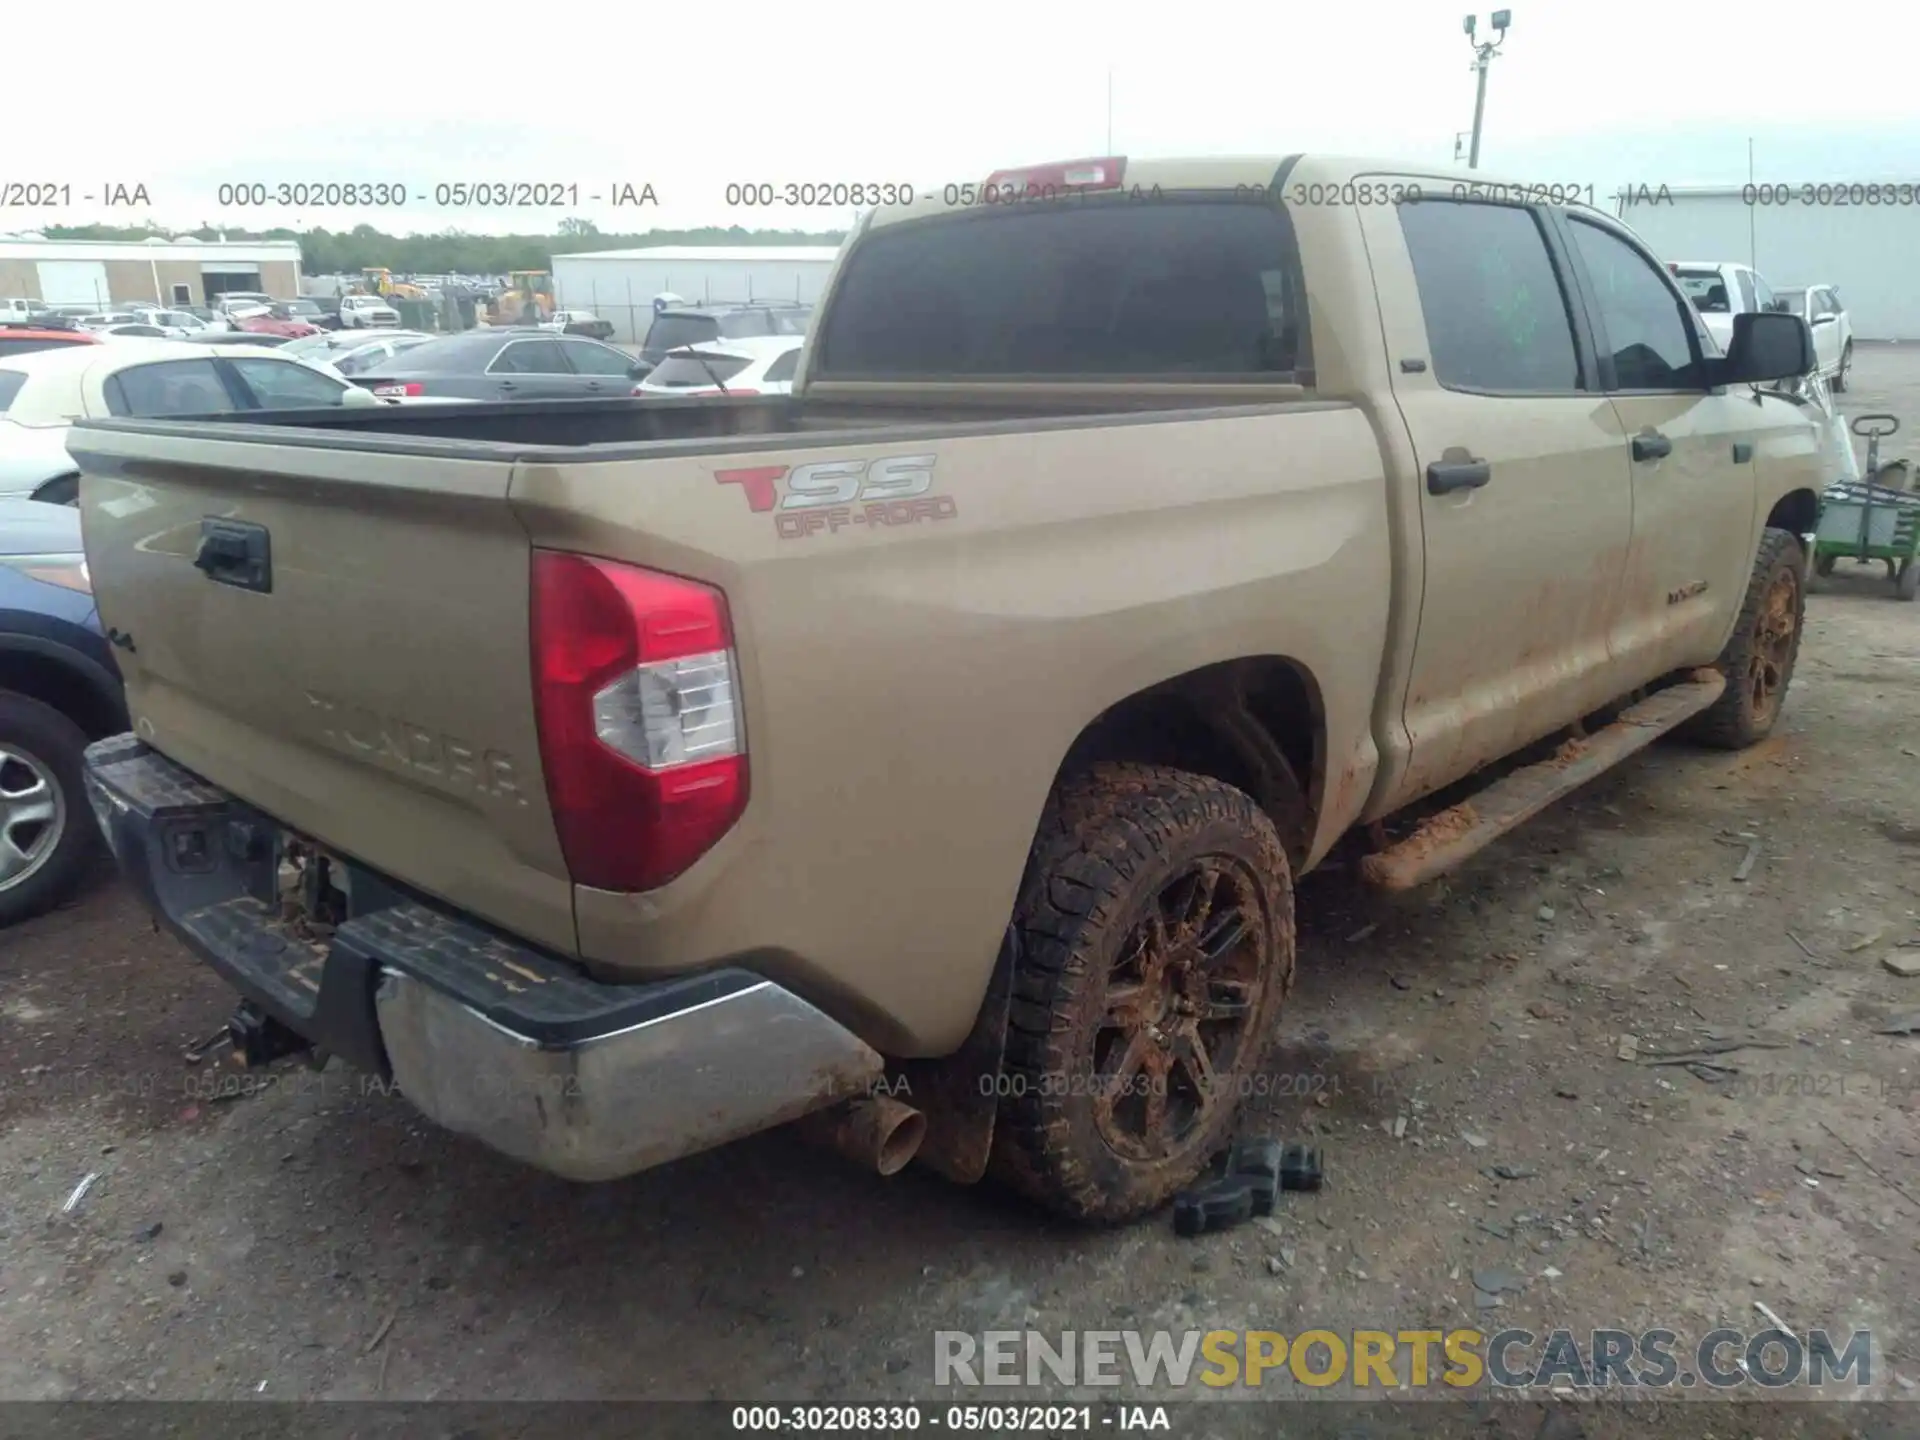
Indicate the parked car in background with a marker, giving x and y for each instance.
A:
(21, 309)
(1820, 306)
(501, 363)
(753, 365)
(697, 324)
(238, 337)
(240, 299)
(21, 338)
(1721, 290)
(59, 690)
(177, 323)
(348, 352)
(107, 319)
(310, 311)
(138, 331)
(362, 312)
(275, 319)
(42, 394)
(579, 322)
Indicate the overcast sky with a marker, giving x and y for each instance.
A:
(688, 99)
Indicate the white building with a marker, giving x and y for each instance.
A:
(1864, 249)
(619, 285)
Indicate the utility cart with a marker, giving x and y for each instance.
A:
(1865, 520)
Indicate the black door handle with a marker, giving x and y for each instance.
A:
(1446, 476)
(1651, 445)
(1742, 453)
(237, 553)
(508, 385)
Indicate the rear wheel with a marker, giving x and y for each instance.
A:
(1823, 566)
(1846, 364)
(1759, 656)
(46, 828)
(1157, 948)
(1907, 583)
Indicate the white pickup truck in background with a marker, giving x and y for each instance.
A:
(1721, 290)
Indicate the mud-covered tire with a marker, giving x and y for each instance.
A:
(40, 747)
(1759, 656)
(1098, 988)
(1846, 365)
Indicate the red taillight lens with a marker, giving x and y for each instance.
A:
(640, 732)
(411, 387)
(1062, 177)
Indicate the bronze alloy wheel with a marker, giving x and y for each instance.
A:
(1771, 659)
(1178, 1004)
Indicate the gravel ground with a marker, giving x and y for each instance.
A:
(308, 1239)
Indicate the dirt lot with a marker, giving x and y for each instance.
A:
(312, 1240)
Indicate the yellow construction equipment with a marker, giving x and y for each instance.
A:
(528, 297)
(378, 280)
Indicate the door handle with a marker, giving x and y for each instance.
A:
(1446, 476)
(1742, 452)
(508, 385)
(1651, 445)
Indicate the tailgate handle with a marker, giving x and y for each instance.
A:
(236, 553)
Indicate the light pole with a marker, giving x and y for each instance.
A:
(1483, 53)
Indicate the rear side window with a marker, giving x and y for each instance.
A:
(1496, 315)
(10, 383)
(530, 357)
(591, 359)
(1707, 290)
(172, 387)
(670, 332)
(1174, 288)
(683, 372)
(781, 371)
(287, 384)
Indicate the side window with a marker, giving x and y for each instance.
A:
(287, 384)
(530, 357)
(1496, 315)
(173, 387)
(781, 371)
(1762, 294)
(1749, 302)
(1640, 319)
(591, 359)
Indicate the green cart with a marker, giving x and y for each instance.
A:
(1862, 520)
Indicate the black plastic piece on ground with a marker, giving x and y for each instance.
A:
(1300, 1168)
(259, 1039)
(1258, 1161)
(1215, 1206)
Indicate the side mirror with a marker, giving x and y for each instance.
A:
(1767, 346)
(639, 370)
(355, 397)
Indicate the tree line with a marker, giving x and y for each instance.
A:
(345, 252)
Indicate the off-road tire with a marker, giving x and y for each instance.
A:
(1823, 566)
(1114, 844)
(1840, 375)
(55, 745)
(1906, 582)
(1758, 661)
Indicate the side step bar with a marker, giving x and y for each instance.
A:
(1442, 841)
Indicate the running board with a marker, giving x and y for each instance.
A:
(1442, 841)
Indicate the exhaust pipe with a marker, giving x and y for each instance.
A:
(876, 1131)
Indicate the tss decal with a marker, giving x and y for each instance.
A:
(834, 494)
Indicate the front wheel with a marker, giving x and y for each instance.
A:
(1157, 948)
(1759, 656)
(1846, 364)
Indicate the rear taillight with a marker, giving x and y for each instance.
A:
(411, 387)
(640, 728)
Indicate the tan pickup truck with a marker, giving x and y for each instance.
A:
(932, 753)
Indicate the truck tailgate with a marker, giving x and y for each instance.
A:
(340, 639)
